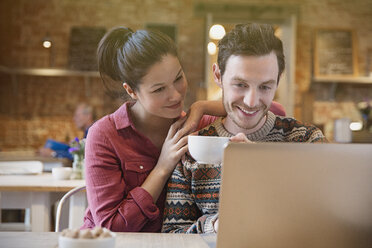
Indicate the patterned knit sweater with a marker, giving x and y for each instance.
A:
(193, 189)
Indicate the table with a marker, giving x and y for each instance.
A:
(39, 192)
(138, 240)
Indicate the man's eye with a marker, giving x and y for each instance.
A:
(264, 87)
(240, 85)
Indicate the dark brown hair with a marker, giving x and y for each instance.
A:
(126, 56)
(250, 39)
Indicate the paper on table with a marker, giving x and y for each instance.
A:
(20, 167)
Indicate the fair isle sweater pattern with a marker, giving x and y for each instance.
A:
(193, 189)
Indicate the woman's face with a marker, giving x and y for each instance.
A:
(162, 90)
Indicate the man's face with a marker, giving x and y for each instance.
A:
(81, 119)
(248, 88)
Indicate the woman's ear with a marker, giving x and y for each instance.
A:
(130, 91)
(217, 75)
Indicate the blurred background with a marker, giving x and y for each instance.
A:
(47, 58)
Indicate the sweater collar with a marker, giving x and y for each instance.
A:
(258, 135)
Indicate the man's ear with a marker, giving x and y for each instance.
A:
(130, 91)
(217, 75)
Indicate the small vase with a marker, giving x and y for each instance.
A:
(77, 168)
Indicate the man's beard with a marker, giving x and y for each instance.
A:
(231, 113)
(263, 115)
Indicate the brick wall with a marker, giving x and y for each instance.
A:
(33, 108)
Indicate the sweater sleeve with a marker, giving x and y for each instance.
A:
(111, 203)
(181, 214)
(315, 135)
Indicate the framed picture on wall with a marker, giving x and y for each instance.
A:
(335, 53)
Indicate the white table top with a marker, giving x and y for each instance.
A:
(50, 240)
(40, 183)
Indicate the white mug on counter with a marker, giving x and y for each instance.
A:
(61, 173)
(342, 132)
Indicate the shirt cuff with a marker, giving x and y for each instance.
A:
(145, 202)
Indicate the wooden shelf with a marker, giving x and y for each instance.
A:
(48, 72)
(338, 79)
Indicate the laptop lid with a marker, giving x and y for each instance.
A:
(296, 195)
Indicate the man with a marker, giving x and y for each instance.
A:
(249, 65)
(84, 117)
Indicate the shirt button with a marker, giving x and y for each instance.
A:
(141, 167)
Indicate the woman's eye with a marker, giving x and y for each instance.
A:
(179, 78)
(159, 90)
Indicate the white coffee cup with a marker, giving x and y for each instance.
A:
(61, 173)
(207, 149)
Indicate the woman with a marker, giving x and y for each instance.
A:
(131, 153)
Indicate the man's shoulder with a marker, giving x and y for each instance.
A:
(297, 131)
(209, 130)
(289, 123)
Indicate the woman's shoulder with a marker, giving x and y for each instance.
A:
(112, 120)
(102, 123)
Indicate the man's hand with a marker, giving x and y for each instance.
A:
(240, 138)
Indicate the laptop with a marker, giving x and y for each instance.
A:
(296, 195)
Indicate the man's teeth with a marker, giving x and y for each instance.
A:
(248, 112)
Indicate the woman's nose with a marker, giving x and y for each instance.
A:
(174, 93)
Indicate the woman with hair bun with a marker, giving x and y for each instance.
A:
(131, 153)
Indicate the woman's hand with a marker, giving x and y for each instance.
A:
(174, 147)
(200, 108)
(194, 116)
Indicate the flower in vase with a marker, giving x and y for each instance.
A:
(77, 148)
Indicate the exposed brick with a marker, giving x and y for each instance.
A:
(35, 108)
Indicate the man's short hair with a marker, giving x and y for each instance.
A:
(250, 39)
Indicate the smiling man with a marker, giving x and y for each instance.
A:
(250, 63)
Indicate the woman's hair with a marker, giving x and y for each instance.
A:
(126, 56)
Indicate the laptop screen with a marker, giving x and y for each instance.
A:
(296, 195)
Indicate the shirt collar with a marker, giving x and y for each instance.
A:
(256, 136)
(122, 118)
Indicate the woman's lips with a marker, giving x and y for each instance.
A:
(175, 106)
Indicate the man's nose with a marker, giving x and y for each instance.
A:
(251, 98)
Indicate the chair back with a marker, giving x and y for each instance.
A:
(62, 202)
